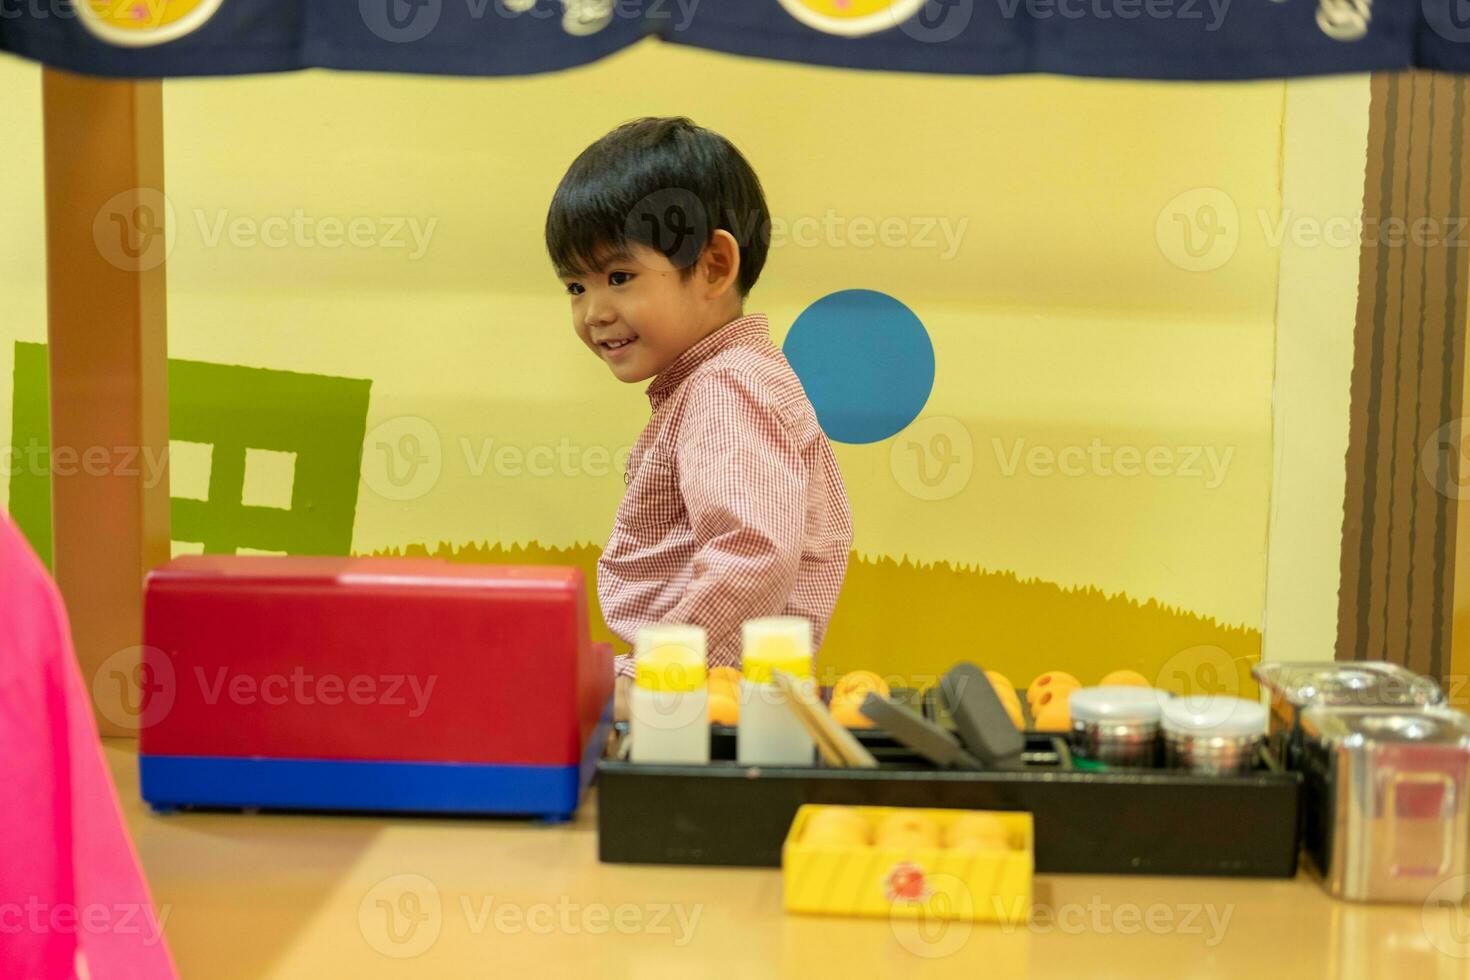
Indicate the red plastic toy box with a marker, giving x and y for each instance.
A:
(369, 684)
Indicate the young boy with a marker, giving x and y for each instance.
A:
(734, 505)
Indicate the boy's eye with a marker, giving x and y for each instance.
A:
(574, 288)
(619, 278)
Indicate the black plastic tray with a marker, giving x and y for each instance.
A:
(1087, 821)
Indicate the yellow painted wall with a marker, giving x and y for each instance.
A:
(1057, 320)
(22, 230)
(1326, 119)
(1071, 312)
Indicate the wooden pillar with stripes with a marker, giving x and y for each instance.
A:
(1408, 485)
(105, 296)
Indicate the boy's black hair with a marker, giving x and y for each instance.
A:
(662, 182)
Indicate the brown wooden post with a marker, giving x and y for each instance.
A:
(1407, 475)
(105, 248)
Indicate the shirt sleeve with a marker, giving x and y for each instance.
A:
(744, 482)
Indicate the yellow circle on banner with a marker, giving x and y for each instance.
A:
(849, 8)
(852, 17)
(135, 23)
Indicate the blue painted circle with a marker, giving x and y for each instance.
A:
(866, 362)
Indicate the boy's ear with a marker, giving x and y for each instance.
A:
(721, 263)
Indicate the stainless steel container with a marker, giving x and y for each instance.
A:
(1212, 734)
(1117, 726)
(1387, 800)
(1295, 686)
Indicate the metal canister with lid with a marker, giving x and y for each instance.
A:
(1295, 686)
(1116, 726)
(1213, 735)
(1387, 800)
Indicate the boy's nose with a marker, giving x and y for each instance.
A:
(599, 314)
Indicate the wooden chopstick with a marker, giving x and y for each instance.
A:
(837, 744)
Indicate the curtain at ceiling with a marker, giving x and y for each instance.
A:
(1165, 39)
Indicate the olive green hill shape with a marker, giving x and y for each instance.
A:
(912, 621)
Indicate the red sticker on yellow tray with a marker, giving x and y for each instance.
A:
(136, 23)
(852, 17)
(906, 882)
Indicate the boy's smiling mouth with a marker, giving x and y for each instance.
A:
(616, 348)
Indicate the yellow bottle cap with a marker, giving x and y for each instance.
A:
(670, 658)
(781, 643)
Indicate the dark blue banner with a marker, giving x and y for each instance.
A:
(1169, 39)
(165, 38)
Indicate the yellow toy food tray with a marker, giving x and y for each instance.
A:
(980, 884)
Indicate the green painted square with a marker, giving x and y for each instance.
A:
(320, 418)
(30, 448)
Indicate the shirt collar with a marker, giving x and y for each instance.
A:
(736, 333)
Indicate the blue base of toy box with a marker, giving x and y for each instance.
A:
(173, 782)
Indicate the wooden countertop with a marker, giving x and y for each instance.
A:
(261, 895)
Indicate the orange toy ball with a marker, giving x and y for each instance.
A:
(1055, 717)
(1125, 678)
(907, 831)
(854, 685)
(1013, 709)
(837, 825)
(1000, 682)
(847, 714)
(1051, 678)
(978, 831)
(723, 708)
(834, 837)
(1053, 693)
(723, 677)
(909, 842)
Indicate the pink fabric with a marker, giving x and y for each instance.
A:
(735, 506)
(72, 895)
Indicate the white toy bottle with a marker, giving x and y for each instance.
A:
(668, 708)
(770, 734)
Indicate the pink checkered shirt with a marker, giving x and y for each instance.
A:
(735, 506)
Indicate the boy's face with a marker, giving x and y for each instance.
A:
(637, 313)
